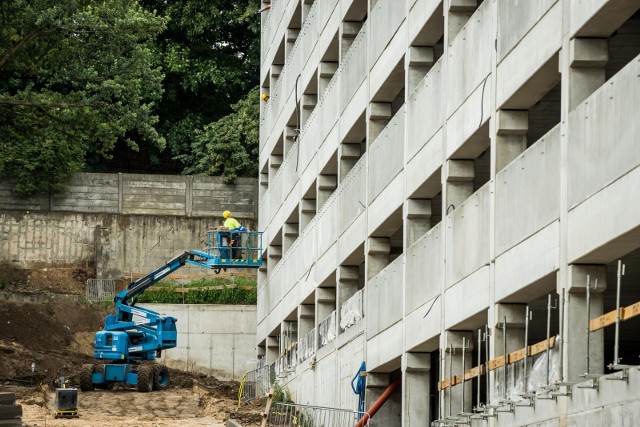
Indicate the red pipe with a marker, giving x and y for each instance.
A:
(378, 403)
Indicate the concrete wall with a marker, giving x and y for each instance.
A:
(217, 340)
(123, 224)
(508, 161)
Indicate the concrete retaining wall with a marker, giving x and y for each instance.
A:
(123, 224)
(218, 340)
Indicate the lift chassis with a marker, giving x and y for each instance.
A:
(127, 347)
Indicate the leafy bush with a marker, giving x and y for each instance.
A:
(225, 295)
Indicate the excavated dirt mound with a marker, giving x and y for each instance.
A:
(60, 280)
(57, 337)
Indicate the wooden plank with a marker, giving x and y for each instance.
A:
(495, 363)
(631, 311)
(542, 346)
(516, 355)
(473, 372)
(265, 414)
(604, 320)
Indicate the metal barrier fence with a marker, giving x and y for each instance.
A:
(294, 415)
(101, 290)
(255, 384)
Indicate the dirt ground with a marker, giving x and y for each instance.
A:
(57, 338)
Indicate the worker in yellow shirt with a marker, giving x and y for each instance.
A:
(235, 228)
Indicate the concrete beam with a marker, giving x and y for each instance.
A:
(326, 295)
(379, 111)
(512, 122)
(416, 362)
(460, 170)
(418, 208)
(588, 53)
(420, 56)
(378, 246)
(306, 311)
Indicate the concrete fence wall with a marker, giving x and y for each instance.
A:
(124, 224)
(118, 193)
(217, 340)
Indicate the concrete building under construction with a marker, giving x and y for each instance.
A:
(449, 193)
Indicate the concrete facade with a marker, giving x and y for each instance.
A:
(216, 340)
(432, 170)
(124, 224)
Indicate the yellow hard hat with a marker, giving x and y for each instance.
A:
(225, 214)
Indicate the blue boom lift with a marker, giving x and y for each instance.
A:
(125, 342)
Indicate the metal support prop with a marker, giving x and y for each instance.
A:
(450, 376)
(465, 345)
(487, 333)
(479, 367)
(549, 307)
(616, 348)
(562, 334)
(504, 370)
(588, 329)
(526, 346)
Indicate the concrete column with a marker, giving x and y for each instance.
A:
(416, 369)
(274, 75)
(348, 156)
(347, 278)
(511, 136)
(458, 13)
(307, 104)
(264, 183)
(417, 218)
(587, 59)
(460, 174)
(290, 138)
(289, 235)
(275, 160)
(348, 31)
(378, 116)
(575, 322)
(418, 63)
(326, 70)
(378, 249)
(389, 414)
(291, 36)
(514, 332)
(325, 302)
(325, 185)
(306, 212)
(453, 366)
(275, 254)
(273, 349)
(306, 318)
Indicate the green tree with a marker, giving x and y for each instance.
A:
(230, 146)
(76, 77)
(210, 53)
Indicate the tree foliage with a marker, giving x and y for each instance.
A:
(210, 54)
(230, 146)
(75, 77)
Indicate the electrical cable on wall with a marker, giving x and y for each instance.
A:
(296, 138)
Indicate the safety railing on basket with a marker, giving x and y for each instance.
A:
(294, 415)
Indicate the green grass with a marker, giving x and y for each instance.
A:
(231, 292)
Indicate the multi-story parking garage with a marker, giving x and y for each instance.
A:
(446, 190)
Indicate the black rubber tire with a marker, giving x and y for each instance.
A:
(7, 398)
(161, 378)
(10, 411)
(145, 378)
(12, 422)
(86, 384)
